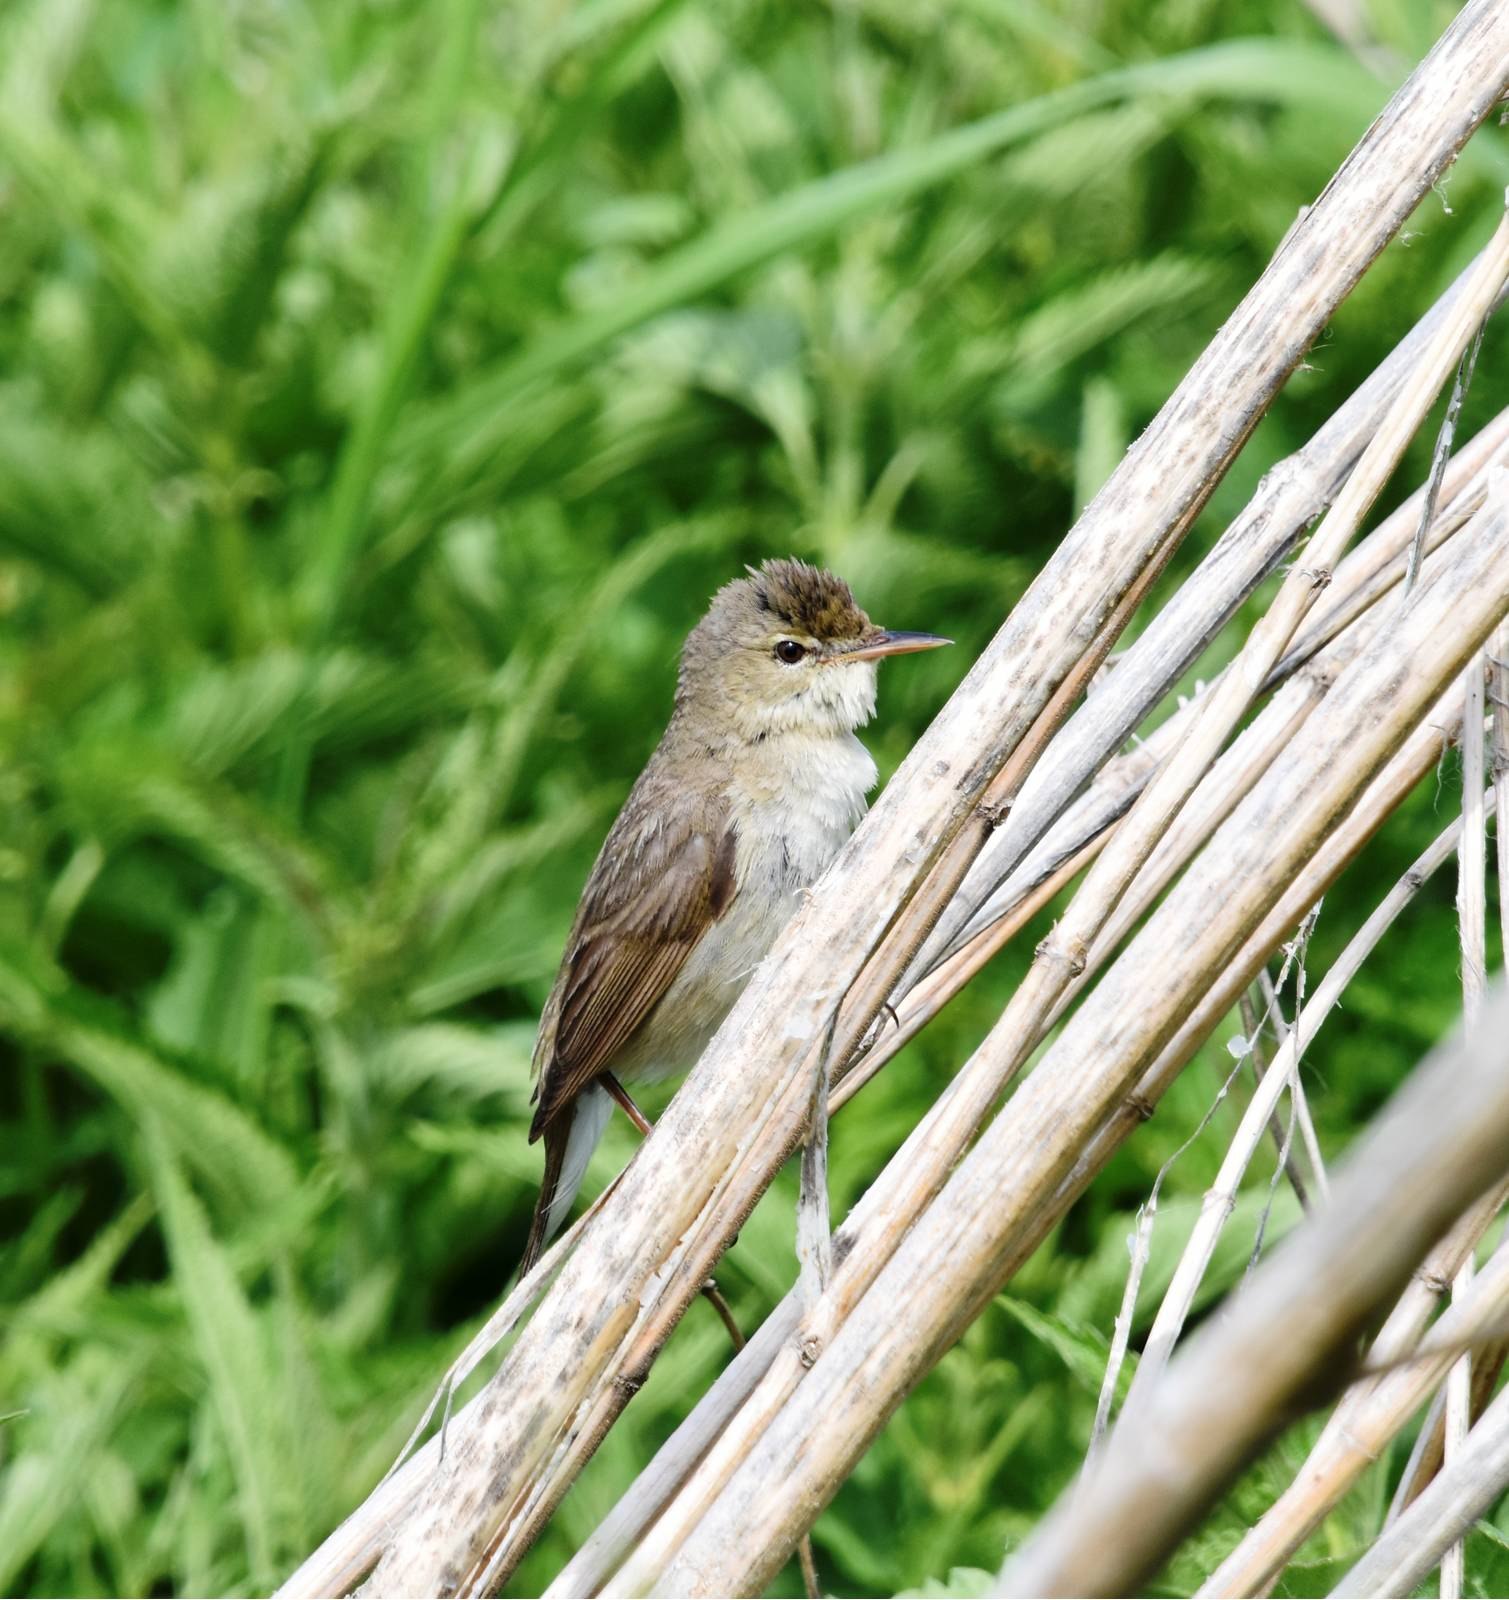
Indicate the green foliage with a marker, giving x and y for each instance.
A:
(383, 389)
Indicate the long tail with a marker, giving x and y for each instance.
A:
(570, 1137)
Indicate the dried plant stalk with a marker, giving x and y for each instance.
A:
(1419, 756)
(1298, 1096)
(1333, 1462)
(1442, 1515)
(351, 1549)
(1217, 1205)
(1472, 921)
(1063, 957)
(348, 1554)
(1253, 1047)
(1088, 918)
(926, 998)
(1221, 710)
(1430, 1446)
(1467, 474)
(904, 1318)
(1444, 1139)
(1292, 494)
(1369, 572)
(1444, 438)
(586, 1573)
(1364, 578)
(590, 1569)
(649, 1494)
(1488, 1357)
(1498, 697)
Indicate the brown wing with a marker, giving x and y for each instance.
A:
(665, 875)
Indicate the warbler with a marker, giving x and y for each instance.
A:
(755, 786)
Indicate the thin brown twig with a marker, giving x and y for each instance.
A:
(1257, 1060)
(1297, 1091)
(1439, 457)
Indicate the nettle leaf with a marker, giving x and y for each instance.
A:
(473, 1063)
(1083, 1350)
(1095, 1291)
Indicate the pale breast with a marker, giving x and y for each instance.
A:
(793, 806)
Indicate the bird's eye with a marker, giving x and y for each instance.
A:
(789, 651)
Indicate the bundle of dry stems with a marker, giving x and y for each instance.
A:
(1198, 852)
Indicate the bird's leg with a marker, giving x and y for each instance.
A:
(626, 1104)
(714, 1296)
(642, 1122)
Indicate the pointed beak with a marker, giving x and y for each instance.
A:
(893, 644)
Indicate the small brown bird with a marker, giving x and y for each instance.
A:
(754, 788)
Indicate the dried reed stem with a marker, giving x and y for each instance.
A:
(1096, 918)
(1498, 698)
(1108, 800)
(351, 1549)
(348, 1554)
(1221, 1197)
(1420, 754)
(1368, 573)
(590, 1567)
(1471, 922)
(1429, 1449)
(1280, 1532)
(1333, 1461)
(642, 1258)
(1444, 1513)
(1442, 1141)
(898, 1321)
(1290, 496)
(1099, 915)
(655, 1486)
(1297, 1088)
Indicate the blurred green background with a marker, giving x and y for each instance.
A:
(383, 390)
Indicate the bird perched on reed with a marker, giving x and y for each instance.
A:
(752, 791)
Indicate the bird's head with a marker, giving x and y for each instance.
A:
(787, 649)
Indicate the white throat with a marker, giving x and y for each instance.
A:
(831, 701)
